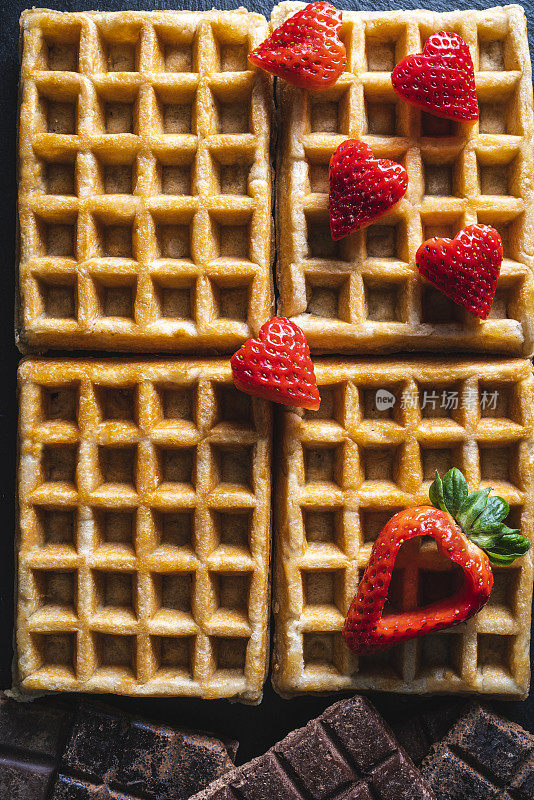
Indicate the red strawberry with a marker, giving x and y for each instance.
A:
(465, 268)
(277, 366)
(306, 50)
(467, 529)
(362, 188)
(441, 79)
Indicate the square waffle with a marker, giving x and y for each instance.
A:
(372, 449)
(144, 529)
(362, 293)
(144, 189)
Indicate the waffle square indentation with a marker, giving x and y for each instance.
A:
(145, 529)
(344, 473)
(147, 141)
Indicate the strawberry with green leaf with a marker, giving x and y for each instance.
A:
(469, 529)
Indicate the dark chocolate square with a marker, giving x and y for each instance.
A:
(143, 760)
(224, 793)
(483, 757)
(34, 728)
(411, 734)
(24, 781)
(167, 765)
(418, 732)
(361, 732)
(92, 746)
(326, 760)
(395, 778)
(494, 745)
(96, 753)
(359, 791)
(523, 783)
(265, 779)
(453, 779)
(73, 789)
(318, 767)
(197, 761)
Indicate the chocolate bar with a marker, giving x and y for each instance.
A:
(418, 732)
(483, 757)
(348, 752)
(90, 752)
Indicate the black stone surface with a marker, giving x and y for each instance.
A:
(256, 728)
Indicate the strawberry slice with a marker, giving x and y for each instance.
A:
(468, 529)
(306, 50)
(465, 268)
(441, 79)
(277, 366)
(362, 187)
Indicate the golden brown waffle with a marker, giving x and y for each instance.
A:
(363, 294)
(144, 191)
(144, 529)
(344, 471)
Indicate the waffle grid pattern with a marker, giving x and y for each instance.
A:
(144, 529)
(144, 191)
(362, 294)
(345, 471)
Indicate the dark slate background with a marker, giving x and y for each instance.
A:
(257, 728)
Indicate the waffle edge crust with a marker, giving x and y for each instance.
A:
(343, 472)
(362, 294)
(144, 181)
(144, 502)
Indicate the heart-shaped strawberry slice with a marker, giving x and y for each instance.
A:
(277, 366)
(368, 629)
(469, 530)
(362, 187)
(441, 79)
(465, 268)
(306, 50)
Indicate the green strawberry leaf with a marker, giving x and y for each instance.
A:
(509, 547)
(512, 542)
(455, 490)
(480, 517)
(471, 508)
(496, 510)
(498, 560)
(492, 529)
(435, 494)
(491, 535)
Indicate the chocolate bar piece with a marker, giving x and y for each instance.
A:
(484, 757)
(348, 752)
(90, 752)
(31, 740)
(418, 732)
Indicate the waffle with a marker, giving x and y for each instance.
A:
(344, 471)
(144, 187)
(362, 293)
(144, 529)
